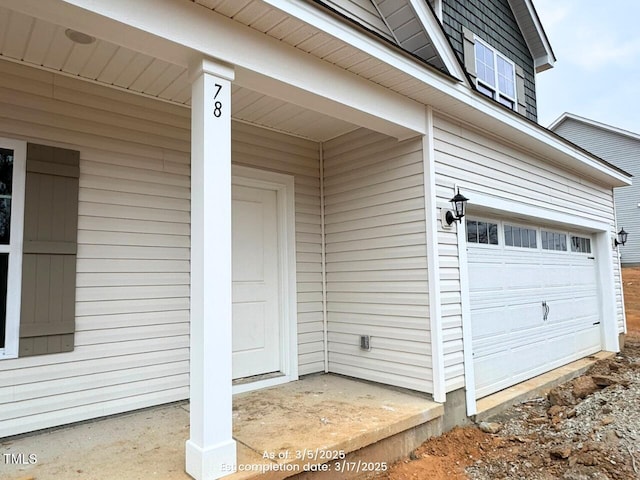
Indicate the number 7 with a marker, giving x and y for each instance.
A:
(217, 91)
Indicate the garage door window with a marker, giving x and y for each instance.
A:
(520, 237)
(482, 232)
(580, 244)
(554, 241)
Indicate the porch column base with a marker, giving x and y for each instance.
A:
(212, 462)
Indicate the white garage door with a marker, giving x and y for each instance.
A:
(534, 301)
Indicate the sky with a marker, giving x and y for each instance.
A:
(597, 72)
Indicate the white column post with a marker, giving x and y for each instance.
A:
(210, 450)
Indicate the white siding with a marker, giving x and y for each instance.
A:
(132, 338)
(132, 307)
(477, 161)
(268, 150)
(376, 259)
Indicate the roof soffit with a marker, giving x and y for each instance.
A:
(533, 33)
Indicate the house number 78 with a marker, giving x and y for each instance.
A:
(217, 106)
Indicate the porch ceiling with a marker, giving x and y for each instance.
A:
(44, 45)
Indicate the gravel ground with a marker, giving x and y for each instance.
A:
(585, 429)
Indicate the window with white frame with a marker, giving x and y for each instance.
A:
(482, 232)
(580, 244)
(12, 183)
(554, 241)
(515, 236)
(496, 75)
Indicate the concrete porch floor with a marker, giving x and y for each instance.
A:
(308, 418)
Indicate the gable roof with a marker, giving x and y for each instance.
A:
(409, 24)
(602, 126)
(534, 34)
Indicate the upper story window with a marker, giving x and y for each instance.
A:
(496, 75)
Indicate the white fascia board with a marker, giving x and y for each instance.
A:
(559, 120)
(434, 31)
(543, 60)
(180, 32)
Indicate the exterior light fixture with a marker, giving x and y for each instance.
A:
(622, 238)
(79, 37)
(459, 203)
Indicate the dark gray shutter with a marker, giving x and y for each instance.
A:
(469, 46)
(522, 100)
(47, 319)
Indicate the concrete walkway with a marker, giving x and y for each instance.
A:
(280, 430)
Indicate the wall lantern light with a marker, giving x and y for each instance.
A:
(459, 204)
(622, 238)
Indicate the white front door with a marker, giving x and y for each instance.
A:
(256, 305)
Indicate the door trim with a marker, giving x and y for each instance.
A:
(283, 185)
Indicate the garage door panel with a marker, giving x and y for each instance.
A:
(487, 277)
(522, 277)
(525, 316)
(528, 357)
(512, 339)
(490, 322)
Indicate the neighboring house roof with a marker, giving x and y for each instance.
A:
(534, 34)
(603, 126)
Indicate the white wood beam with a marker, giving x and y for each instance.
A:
(210, 450)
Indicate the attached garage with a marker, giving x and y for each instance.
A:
(534, 300)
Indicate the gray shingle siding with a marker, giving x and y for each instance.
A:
(623, 152)
(493, 22)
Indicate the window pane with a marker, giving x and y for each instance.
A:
(506, 102)
(525, 237)
(545, 241)
(472, 231)
(575, 242)
(532, 239)
(517, 239)
(493, 234)
(563, 242)
(484, 64)
(508, 235)
(486, 91)
(588, 245)
(482, 233)
(505, 78)
(4, 268)
(6, 187)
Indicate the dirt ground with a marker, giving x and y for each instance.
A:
(631, 282)
(588, 428)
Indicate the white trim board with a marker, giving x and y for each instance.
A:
(536, 213)
(14, 249)
(283, 185)
(433, 261)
